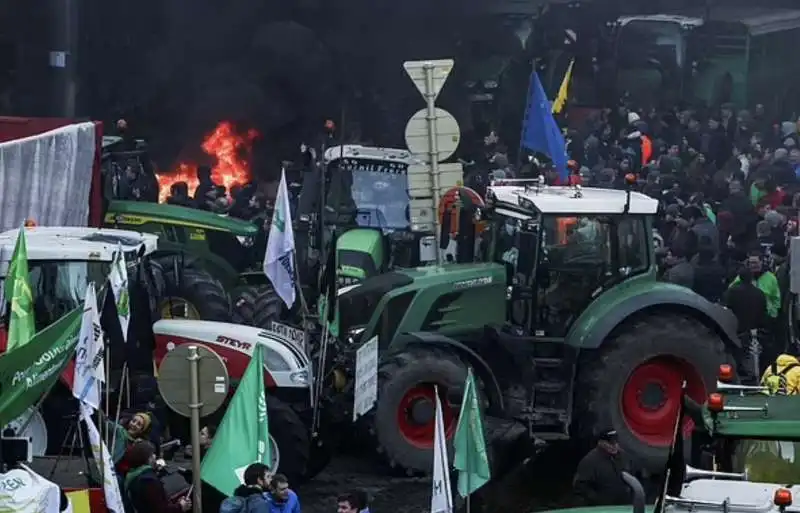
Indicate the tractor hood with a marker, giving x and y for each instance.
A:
(359, 255)
(444, 299)
(133, 213)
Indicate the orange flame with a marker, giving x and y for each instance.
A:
(231, 150)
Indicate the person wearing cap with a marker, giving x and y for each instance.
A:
(598, 480)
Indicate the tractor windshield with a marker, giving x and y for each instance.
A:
(373, 192)
(59, 286)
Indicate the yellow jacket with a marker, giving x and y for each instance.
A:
(786, 377)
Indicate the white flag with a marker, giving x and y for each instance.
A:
(119, 287)
(89, 359)
(104, 463)
(441, 493)
(279, 260)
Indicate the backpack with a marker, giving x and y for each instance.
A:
(777, 382)
(236, 504)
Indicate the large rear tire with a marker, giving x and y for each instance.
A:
(633, 383)
(257, 306)
(404, 417)
(193, 294)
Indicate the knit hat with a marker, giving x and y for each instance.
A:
(633, 118)
(146, 419)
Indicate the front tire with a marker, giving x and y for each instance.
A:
(403, 420)
(633, 383)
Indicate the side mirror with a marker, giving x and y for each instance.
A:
(637, 492)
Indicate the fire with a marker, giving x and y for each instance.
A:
(230, 149)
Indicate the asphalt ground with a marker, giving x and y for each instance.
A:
(539, 484)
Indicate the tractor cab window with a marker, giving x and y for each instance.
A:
(575, 261)
(633, 239)
(514, 242)
(59, 287)
(368, 193)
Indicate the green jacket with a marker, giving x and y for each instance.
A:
(768, 284)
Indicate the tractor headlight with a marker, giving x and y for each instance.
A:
(354, 334)
(299, 377)
(245, 241)
(274, 361)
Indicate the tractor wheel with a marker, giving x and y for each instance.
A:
(632, 384)
(194, 294)
(404, 417)
(289, 440)
(257, 306)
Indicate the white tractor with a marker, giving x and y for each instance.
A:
(287, 372)
(62, 261)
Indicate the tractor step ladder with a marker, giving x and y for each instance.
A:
(551, 402)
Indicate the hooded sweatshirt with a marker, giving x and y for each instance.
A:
(246, 499)
(787, 367)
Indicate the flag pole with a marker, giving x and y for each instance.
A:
(469, 489)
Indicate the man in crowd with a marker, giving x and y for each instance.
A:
(281, 498)
(251, 496)
(598, 480)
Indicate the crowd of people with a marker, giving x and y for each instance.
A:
(139, 469)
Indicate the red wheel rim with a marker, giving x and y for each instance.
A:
(420, 433)
(651, 398)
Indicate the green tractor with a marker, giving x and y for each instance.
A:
(361, 194)
(207, 258)
(217, 258)
(565, 325)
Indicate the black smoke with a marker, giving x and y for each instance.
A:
(174, 68)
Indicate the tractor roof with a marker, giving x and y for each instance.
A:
(74, 243)
(572, 200)
(141, 212)
(368, 152)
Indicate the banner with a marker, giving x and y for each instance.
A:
(243, 434)
(279, 258)
(89, 358)
(441, 493)
(28, 372)
(103, 461)
(24, 491)
(118, 278)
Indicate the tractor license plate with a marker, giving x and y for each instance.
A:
(289, 334)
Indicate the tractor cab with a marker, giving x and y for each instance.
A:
(366, 203)
(118, 157)
(62, 261)
(563, 247)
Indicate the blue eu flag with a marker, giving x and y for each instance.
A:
(540, 131)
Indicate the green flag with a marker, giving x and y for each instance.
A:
(243, 434)
(471, 460)
(29, 371)
(21, 325)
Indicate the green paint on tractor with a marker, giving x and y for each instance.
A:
(222, 245)
(360, 253)
(564, 323)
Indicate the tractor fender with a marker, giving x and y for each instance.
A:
(591, 333)
(187, 259)
(482, 368)
(253, 278)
